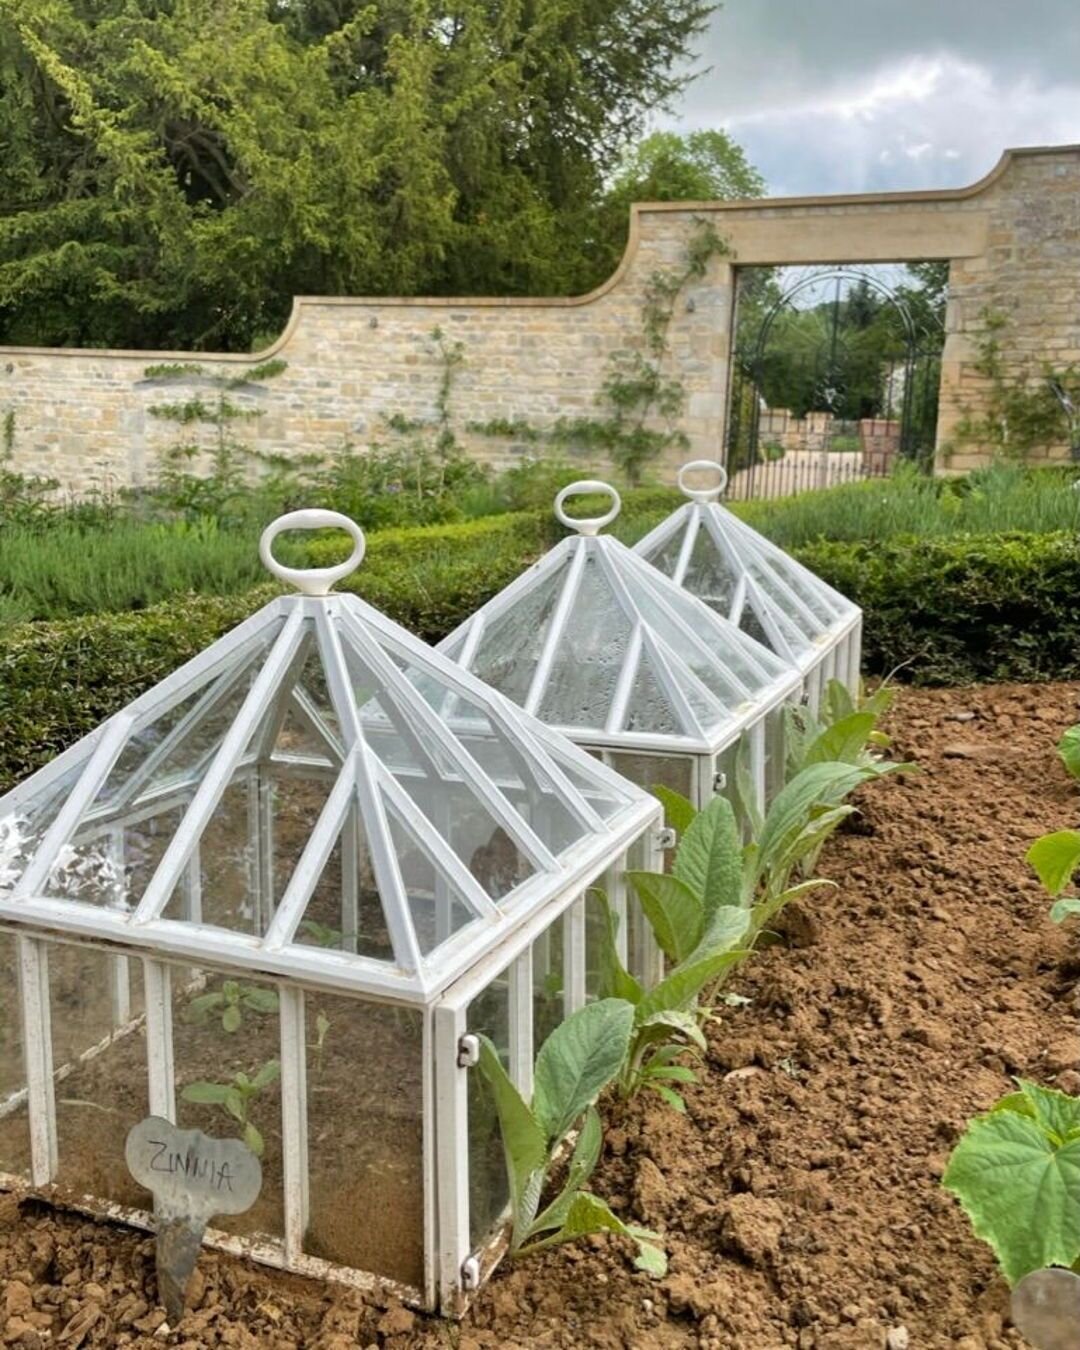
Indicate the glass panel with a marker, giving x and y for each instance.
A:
(774, 752)
(710, 574)
(589, 657)
(510, 647)
(210, 1056)
(647, 771)
(112, 866)
(489, 1193)
(23, 826)
(351, 917)
(227, 863)
(751, 625)
(666, 557)
(436, 908)
(99, 1069)
(14, 1120)
(365, 1145)
(438, 787)
(648, 708)
(596, 941)
(547, 975)
(602, 797)
(640, 945)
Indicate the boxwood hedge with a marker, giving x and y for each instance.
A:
(948, 611)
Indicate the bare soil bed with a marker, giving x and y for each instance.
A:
(799, 1197)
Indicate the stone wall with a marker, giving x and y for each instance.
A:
(1013, 240)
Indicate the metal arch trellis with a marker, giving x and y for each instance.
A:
(919, 375)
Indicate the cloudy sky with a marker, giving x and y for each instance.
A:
(874, 95)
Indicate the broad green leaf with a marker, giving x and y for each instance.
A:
(269, 1072)
(1055, 1111)
(746, 790)
(1055, 857)
(844, 741)
(231, 1018)
(580, 1057)
(1020, 1190)
(729, 925)
(615, 980)
(824, 784)
(261, 1000)
(838, 702)
(234, 1103)
(230, 990)
(673, 910)
(709, 860)
(679, 812)
(205, 1094)
(253, 1139)
(1069, 750)
(679, 989)
(659, 1026)
(880, 701)
(524, 1146)
(589, 1214)
(1062, 909)
(764, 913)
(585, 1157)
(203, 1004)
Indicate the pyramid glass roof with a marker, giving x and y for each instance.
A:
(598, 644)
(317, 791)
(745, 577)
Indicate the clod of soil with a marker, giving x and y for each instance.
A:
(799, 1197)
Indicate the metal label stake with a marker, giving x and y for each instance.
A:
(193, 1177)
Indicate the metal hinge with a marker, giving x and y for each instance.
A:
(470, 1273)
(719, 782)
(667, 837)
(468, 1051)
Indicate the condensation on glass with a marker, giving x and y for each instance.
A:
(268, 900)
(607, 650)
(750, 581)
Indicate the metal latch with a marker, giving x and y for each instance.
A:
(470, 1273)
(719, 782)
(468, 1051)
(667, 837)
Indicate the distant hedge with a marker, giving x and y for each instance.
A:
(963, 609)
(948, 611)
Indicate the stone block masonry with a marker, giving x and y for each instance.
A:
(1013, 242)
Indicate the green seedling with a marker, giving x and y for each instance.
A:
(236, 1098)
(845, 730)
(1056, 858)
(322, 934)
(232, 1000)
(576, 1062)
(1016, 1173)
(322, 1028)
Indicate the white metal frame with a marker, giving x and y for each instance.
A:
(816, 627)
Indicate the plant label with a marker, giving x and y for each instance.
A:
(1046, 1309)
(192, 1177)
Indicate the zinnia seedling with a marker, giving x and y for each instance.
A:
(236, 1098)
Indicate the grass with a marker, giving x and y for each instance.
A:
(1001, 499)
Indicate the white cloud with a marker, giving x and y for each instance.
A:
(866, 95)
(930, 121)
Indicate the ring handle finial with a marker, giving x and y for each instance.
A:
(312, 580)
(590, 525)
(711, 494)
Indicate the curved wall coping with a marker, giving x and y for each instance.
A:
(772, 205)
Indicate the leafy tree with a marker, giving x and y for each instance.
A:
(174, 171)
(669, 167)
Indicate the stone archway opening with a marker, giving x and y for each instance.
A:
(835, 373)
